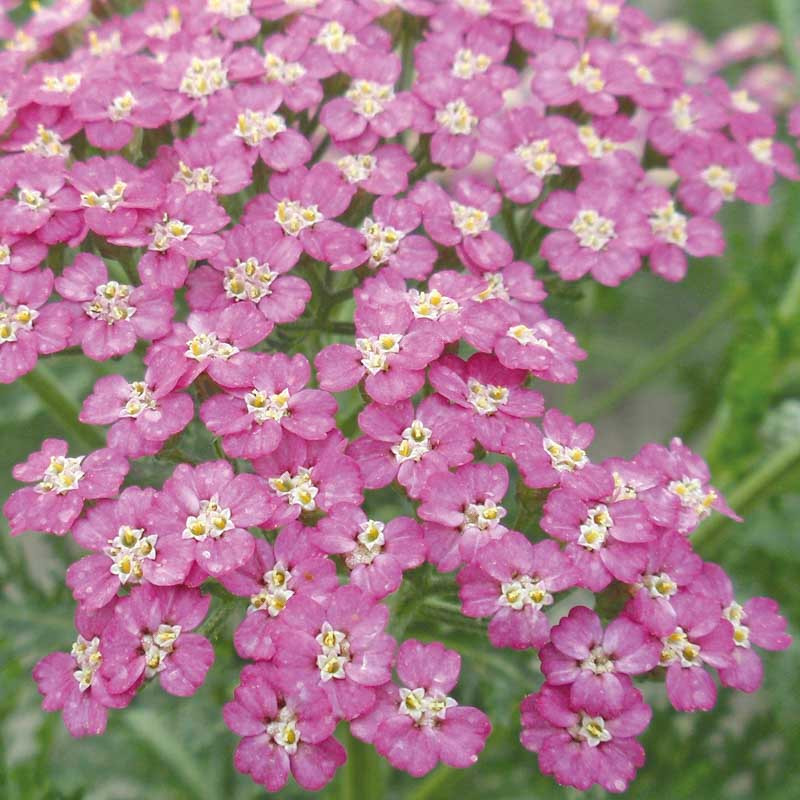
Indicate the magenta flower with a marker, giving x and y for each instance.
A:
(150, 634)
(757, 622)
(702, 636)
(411, 446)
(597, 664)
(73, 682)
(203, 164)
(463, 512)
(691, 115)
(310, 476)
(109, 317)
(605, 538)
(232, 19)
(340, 647)
(579, 749)
(389, 354)
(20, 253)
(512, 581)
(304, 202)
(598, 231)
(383, 171)
(41, 132)
(464, 222)
(376, 553)
(63, 484)
(142, 414)
(29, 325)
(271, 578)
(207, 509)
(493, 395)
(283, 731)
(416, 726)
(251, 268)
(265, 396)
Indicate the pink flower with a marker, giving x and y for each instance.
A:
(462, 512)
(150, 634)
(340, 647)
(649, 76)
(493, 395)
(109, 317)
(757, 622)
(389, 354)
(63, 484)
(384, 171)
(251, 268)
(29, 325)
(271, 578)
(671, 568)
(464, 222)
(410, 445)
(598, 232)
(41, 132)
(376, 553)
(208, 510)
(416, 726)
(579, 749)
(73, 682)
(265, 396)
(702, 636)
(597, 664)
(20, 253)
(142, 414)
(605, 537)
(691, 115)
(536, 26)
(304, 202)
(512, 581)
(282, 731)
(310, 476)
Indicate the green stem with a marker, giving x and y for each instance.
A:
(511, 225)
(788, 18)
(44, 384)
(758, 484)
(327, 326)
(667, 355)
(320, 149)
(363, 774)
(430, 785)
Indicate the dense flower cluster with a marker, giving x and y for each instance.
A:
(215, 185)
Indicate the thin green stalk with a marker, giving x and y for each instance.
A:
(326, 326)
(432, 783)
(364, 773)
(511, 226)
(758, 484)
(320, 149)
(44, 384)
(787, 15)
(669, 354)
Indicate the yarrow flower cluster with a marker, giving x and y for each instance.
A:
(279, 201)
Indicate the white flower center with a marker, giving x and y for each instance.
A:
(109, 200)
(209, 345)
(249, 280)
(457, 118)
(255, 126)
(335, 653)
(538, 158)
(669, 225)
(293, 217)
(525, 590)
(595, 529)
(33, 200)
(284, 731)
(140, 399)
(334, 38)
(204, 77)
(285, 72)
(382, 241)
(369, 544)
(525, 336)
(127, 550)
(597, 146)
(46, 143)
(230, 9)
(375, 351)
(479, 7)
(111, 303)
(157, 647)
(369, 98)
(62, 475)
(681, 112)
(761, 150)
(357, 168)
(564, 459)
(591, 730)
(694, 496)
(467, 64)
(431, 305)
(743, 102)
(469, 220)
(587, 76)
(659, 585)
(483, 516)
(486, 399)
(426, 709)
(735, 614)
(720, 178)
(495, 289)
(415, 442)
(121, 106)
(88, 660)
(677, 647)
(5, 254)
(264, 406)
(593, 230)
(298, 489)
(14, 319)
(168, 27)
(598, 661)
(199, 179)
(275, 594)
(538, 11)
(212, 520)
(168, 231)
(66, 84)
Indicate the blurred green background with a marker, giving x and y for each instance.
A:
(715, 359)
